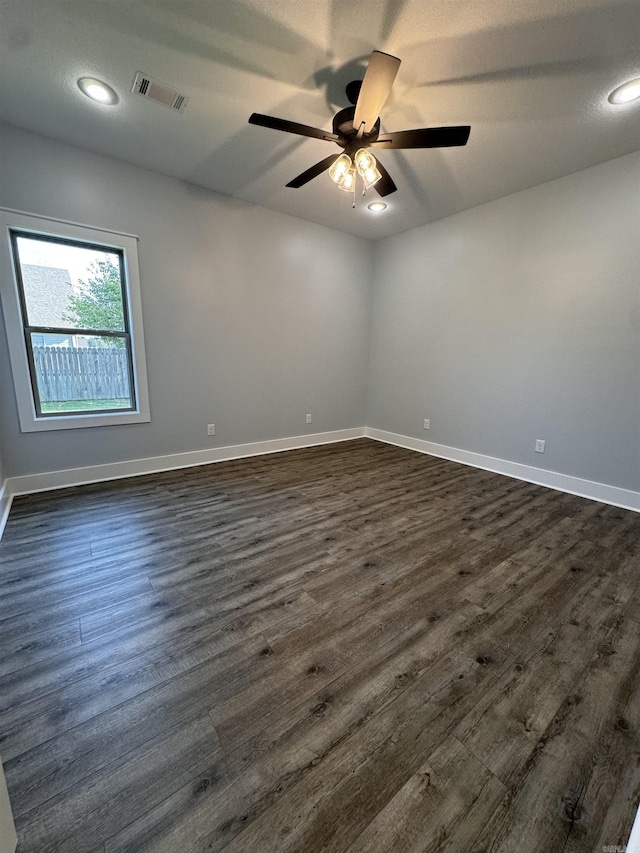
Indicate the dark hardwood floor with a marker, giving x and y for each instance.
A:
(345, 648)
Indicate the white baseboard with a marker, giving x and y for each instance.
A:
(613, 495)
(46, 481)
(6, 498)
(634, 839)
(8, 836)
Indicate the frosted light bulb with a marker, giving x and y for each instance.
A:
(348, 181)
(340, 168)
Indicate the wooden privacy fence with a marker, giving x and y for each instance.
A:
(81, 373)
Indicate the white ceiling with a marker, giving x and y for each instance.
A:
(530, 77)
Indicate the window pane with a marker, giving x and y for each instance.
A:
(68, 286)
(81, 373)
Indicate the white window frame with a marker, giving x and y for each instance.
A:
(10, 296)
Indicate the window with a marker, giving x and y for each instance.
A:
(71, 302)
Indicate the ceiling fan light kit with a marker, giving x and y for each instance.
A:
(366, 164)
(357, 128)
(339, 168)
(344, 170)
(348, 180)
(364, 160)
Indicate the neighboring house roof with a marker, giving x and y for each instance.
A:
(47, 291)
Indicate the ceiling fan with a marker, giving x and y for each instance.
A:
(356, 129)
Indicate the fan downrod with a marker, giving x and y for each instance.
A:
(353, 90)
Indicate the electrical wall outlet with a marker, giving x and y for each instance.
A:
(211, 429)
(308, 419)
(540, 443)
(426, 423)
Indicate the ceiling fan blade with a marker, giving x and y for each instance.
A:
(313, 172)
(377, 83)
(426, 137)
(385, 185)
(292, 127)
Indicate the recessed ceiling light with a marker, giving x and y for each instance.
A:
(627, 92)
(97, 90)
(377, 206)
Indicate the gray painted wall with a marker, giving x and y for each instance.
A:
(2, 465)
(513, 321)
(4, 498)
(518, 320)
(252, 318)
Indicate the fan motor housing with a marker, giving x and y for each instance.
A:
(343, 127)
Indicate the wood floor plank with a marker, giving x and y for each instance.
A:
(22, 652)
(65, 755)
(56, 613)
(249, 726)
(79, 817)
(506, 724)
(436, 809)
(571, 777)
(37, 678)
(298, 778)
(351, 779)
(350, 647)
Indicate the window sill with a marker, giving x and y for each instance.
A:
(56, 422)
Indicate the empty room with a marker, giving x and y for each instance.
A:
(319, 426)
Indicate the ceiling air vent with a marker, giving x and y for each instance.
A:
(155, 90)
